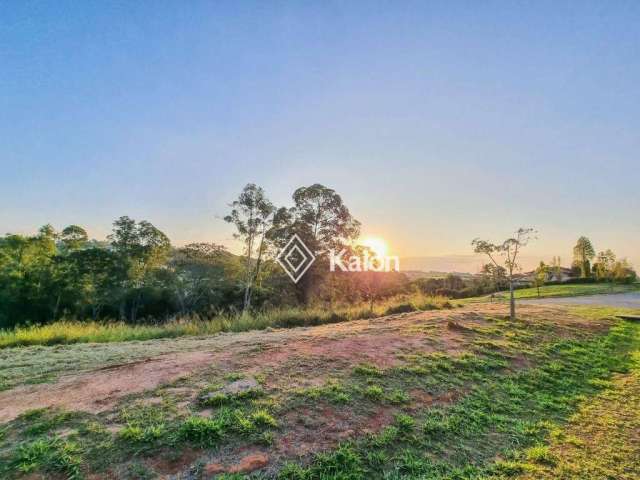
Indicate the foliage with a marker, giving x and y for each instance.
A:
(583, 253)
(508, 250)
(65, 332)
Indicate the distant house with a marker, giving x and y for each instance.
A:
(528, 278)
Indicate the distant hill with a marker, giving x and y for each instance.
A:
(469, 264)
(415, 274)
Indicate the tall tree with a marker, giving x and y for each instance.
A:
(141, 249)
(507, 252)
(252, 214)
(583, 253)
(73, 237)
(323, 222)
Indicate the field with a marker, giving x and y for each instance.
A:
(574, 290)
(458, 393)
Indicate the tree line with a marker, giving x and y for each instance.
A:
(136, 274)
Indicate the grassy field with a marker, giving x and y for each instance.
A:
(556, 291)
(66, 332)
(575, 290)
(458, 394)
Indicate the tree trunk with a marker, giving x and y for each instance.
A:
(512, 301)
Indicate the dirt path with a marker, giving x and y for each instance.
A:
(99, 390)
(375, 341)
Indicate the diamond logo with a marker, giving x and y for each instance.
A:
(295, 258)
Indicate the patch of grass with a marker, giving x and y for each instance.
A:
(540, 454)
(374, 392)
(49, 455)
(404, 422)
(68, 331)
(264, 418)
(136, 434)
(368, 370)
(332, 391)
(398, 397)
(202, 431)
(506, 416)
(216, 399)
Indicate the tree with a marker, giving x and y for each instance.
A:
(623, 272)
(540, 276)
(323, 222)
(73, 237)
(556, 268)
(203, 273)
(141, 249)
(604, 268)
(252, 215)
(508, 250)
(583, 253)
(495, 275)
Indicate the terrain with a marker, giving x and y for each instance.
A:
(460, 393)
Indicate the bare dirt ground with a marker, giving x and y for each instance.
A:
(275, 352)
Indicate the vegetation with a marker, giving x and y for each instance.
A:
(572, 290)
(65, 332)
(583, 253)
(501, 406)
(508, 250)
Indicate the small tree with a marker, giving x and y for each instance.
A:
(508, 251)
(495, 275)
(540, 276)
(605, 266)
(623, 272)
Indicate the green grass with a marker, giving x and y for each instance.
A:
(500, 421)
(509, 418)
(600, 441)
(68, 332)
(574, 290)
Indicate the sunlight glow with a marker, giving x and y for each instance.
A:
(376, 244)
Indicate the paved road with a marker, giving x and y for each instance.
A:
(629, 300)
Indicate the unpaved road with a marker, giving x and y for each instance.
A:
(623, 300)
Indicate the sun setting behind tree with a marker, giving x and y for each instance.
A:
(278, 240)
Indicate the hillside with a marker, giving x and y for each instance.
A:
(429, 393)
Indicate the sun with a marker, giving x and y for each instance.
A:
(376, 244)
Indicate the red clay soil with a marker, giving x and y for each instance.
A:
(100, 390)
(376, 341)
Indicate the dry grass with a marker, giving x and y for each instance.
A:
(66, 332)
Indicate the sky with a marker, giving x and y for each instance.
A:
(437, 122)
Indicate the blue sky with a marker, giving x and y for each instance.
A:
(436, 121)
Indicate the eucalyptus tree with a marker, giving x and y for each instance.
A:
(252, 215)
(323, 222)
